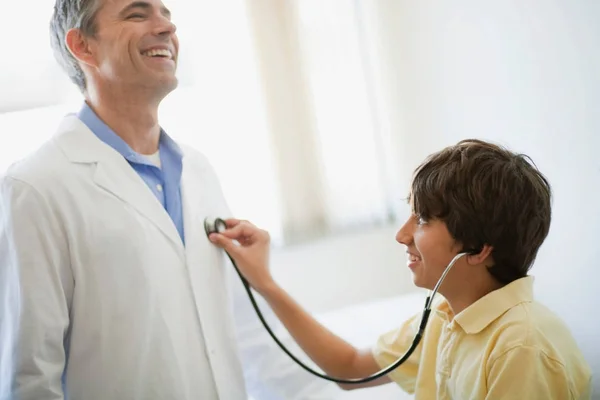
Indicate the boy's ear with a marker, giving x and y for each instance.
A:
(479, 256)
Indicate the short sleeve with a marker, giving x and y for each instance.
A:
(526, 372)
(393, 345)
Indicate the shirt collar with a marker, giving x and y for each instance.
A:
(108, 136)
(484, 311)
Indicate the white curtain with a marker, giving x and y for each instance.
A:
(286, 99)
(328, 112)
(353, 142)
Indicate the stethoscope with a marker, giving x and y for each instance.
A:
(218, 226)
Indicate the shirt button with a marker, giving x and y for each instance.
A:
(159, 187)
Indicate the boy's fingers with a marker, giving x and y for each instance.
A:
(231, 222)
(238, 232)
(223, 242)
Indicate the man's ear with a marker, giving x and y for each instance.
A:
(79, 46)
(480, 256)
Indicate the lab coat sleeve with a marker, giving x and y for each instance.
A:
(35, 289)
(525, 372)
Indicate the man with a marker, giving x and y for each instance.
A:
(487, 339)
(109, 288)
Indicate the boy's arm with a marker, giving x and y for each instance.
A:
(335, 356)
(331, 353)
(525, 372)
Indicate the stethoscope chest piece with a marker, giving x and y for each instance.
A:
(216, 225)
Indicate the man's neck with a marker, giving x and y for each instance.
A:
(133, 118)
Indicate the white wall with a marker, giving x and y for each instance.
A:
(344, 270)
(527, 75)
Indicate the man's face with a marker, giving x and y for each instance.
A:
(429, 248)
(135, 45)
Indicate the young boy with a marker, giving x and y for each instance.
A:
(486, 337)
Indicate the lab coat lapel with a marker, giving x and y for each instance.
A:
(204, 259)
(197, 205)
(114, 174)
(118, 178)
(203, 198)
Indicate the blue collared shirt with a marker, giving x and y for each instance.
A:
(164, 182)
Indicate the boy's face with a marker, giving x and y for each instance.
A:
(429, 248)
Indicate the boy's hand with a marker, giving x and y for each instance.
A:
(250, 253)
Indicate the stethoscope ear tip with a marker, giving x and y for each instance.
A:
(214, 225)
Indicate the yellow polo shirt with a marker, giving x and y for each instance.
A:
(504, 346)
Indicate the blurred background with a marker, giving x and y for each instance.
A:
(315, 113)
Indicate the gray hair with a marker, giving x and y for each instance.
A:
(69, 14)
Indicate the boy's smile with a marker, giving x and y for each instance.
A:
(430, 248)
(412, 260)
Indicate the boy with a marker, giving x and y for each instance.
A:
(486, 338)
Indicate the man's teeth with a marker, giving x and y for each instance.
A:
(158, 53)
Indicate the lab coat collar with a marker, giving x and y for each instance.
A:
(80, 145)
(113, 173)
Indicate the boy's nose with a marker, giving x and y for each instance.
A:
(405, 233)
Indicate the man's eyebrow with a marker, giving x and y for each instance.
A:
(146, 6)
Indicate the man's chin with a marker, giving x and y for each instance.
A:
(173, 83)
(166, 85)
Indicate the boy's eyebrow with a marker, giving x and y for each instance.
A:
(144, 5)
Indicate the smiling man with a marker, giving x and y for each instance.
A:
(109, 288)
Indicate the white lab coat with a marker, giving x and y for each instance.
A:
(96, 267)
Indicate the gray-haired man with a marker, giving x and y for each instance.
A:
(109, 288)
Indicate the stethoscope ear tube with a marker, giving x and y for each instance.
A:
(218, 225)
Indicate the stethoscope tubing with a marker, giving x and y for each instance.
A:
(218, 225)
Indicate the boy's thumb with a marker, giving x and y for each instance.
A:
(223, 242)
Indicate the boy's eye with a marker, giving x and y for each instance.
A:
(421, 220)
(135, 16)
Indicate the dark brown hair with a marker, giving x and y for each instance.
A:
(486, 194)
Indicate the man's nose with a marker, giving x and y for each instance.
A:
(165, 27)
